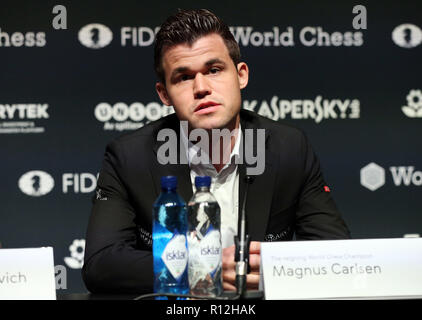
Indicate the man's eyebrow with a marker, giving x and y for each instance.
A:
(207, 63)
(213, 61)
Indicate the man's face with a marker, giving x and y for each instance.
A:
(203, 84)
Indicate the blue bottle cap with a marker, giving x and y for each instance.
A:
(202, 181)
(169, 182)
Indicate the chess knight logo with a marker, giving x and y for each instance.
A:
(407, 35)
(95, 36)
(36, 183)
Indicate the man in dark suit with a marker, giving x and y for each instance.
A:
(197, 61)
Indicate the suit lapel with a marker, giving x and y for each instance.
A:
(181, 171)
(258, 203)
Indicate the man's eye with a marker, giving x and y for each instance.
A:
(184, 77)
(214, 70)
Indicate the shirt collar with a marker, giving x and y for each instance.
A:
(192, 151)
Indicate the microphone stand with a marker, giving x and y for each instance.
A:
(242, 244)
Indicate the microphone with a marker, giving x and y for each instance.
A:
(242, 242)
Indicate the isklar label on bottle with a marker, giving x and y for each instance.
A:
(175, 255)
(204, 260)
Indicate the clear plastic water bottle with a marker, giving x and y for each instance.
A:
(204, 241)
(169, 245)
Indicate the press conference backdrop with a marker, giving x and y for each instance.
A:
(354, 88)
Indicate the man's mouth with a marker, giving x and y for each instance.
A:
(206, 107)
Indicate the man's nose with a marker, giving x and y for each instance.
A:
(201, 86)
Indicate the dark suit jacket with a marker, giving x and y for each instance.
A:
(287, 200)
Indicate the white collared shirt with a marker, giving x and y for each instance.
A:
(224, 187)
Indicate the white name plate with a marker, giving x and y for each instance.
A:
(342, 269)
(27, 274)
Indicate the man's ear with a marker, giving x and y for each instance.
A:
(162, 93)
(243, 74)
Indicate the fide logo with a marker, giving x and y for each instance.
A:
(372, 176)
(95, 36)
(36, 183)
(77, 253)
(414, 104)
(407, 35)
